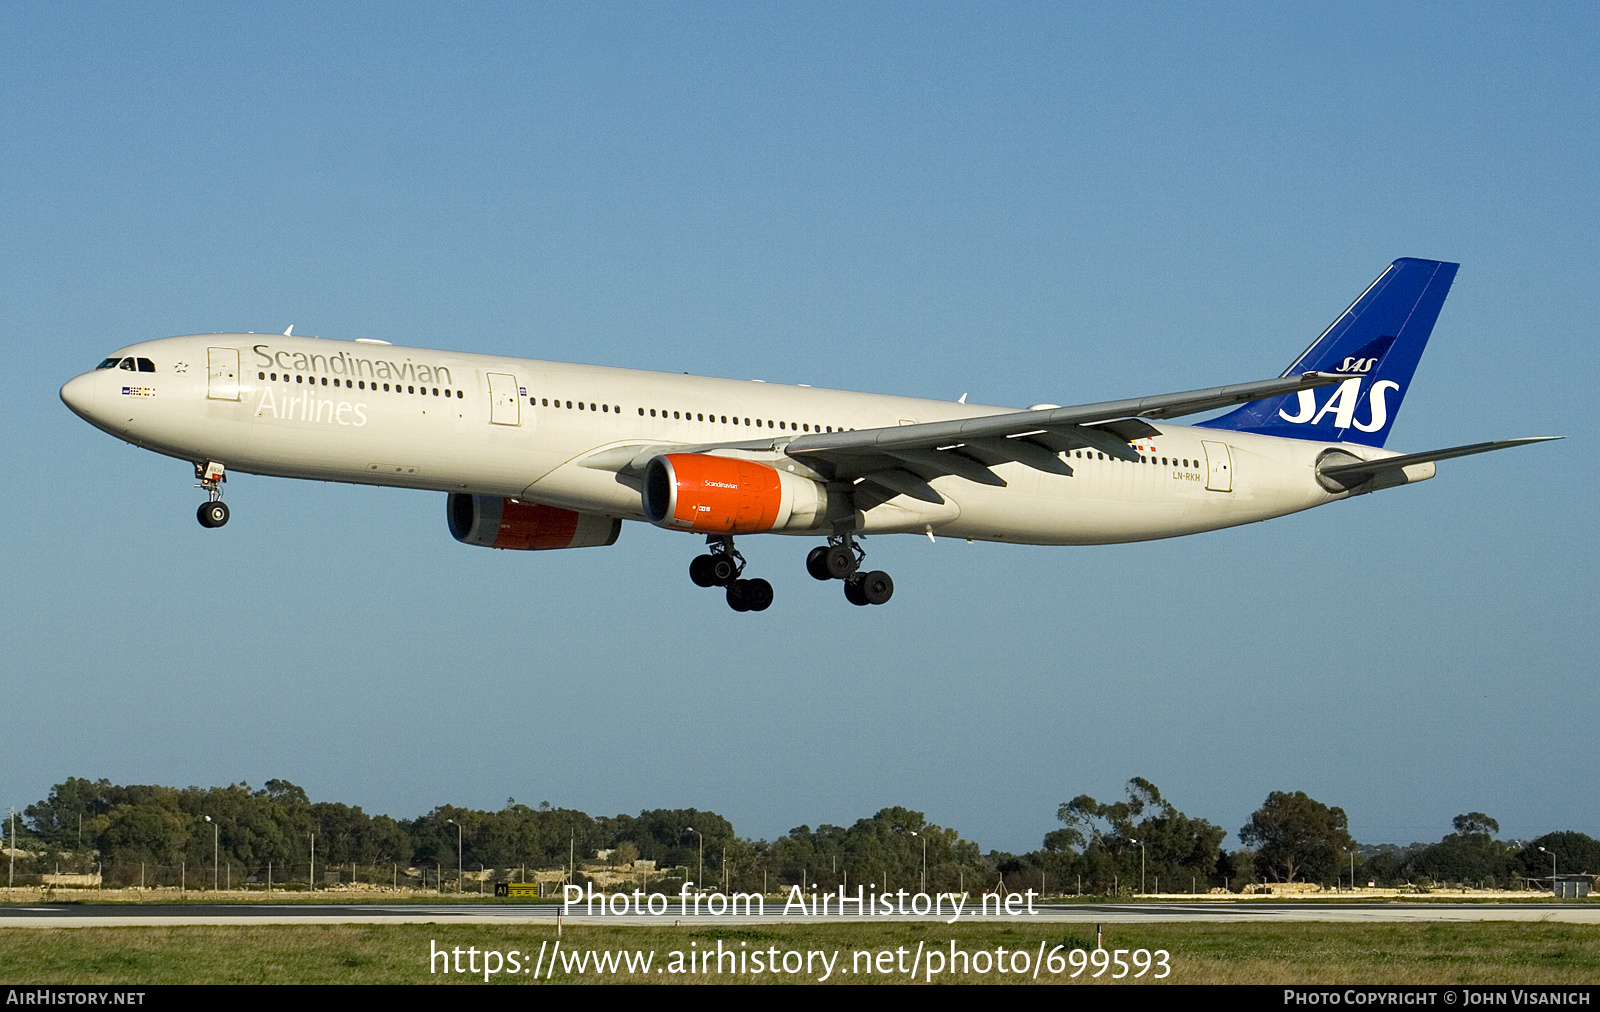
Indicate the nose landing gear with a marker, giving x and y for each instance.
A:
(840, 559)
(723, 566)
(214, 512)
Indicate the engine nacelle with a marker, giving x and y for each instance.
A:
(728, 495)
(495, 522)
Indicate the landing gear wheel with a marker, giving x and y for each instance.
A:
(853, 592)
(723, 569)
(876, 587)
(702, 571)
(841, 561)
(758, 594)
(817, 563)
(212, 514)
(739, 595)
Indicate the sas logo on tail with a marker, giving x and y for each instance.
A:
(1361, 366)
(1342, 405)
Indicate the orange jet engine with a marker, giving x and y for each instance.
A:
(495, 522)
(729, 495)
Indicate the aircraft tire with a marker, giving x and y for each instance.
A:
(841, 562)
(758, 593)
(853, 593)
(738, 595)
(724, 571)
(817, 563)
(877, 587)
(701, 571)
(212, 514)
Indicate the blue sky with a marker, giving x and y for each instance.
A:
(1020, 202)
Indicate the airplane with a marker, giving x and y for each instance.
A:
(544, 455)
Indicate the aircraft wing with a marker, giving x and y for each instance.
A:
(904, 458)
(1358, 472)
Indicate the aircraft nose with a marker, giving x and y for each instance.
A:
(78, 394)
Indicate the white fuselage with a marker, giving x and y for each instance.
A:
(414, 418)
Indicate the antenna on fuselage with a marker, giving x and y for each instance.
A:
(962, 399)
(286, 333)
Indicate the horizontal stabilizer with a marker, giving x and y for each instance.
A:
(1349, 475)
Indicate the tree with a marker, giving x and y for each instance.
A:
(1174, 846)
(1470, 854)
(1475, 823)
(1297, 837)
(1575, 853)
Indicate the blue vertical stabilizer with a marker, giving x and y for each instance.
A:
(1377, 342)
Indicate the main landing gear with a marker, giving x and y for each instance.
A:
(214, 512)
(723, 567)
(840, 559)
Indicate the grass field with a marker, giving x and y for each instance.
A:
(1480, 953)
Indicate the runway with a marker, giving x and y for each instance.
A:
(78, 915)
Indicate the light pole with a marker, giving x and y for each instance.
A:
(1552, 868)
(701, 874)
(215, 851)
(458, 852)
(1141, 865)
(924, 840)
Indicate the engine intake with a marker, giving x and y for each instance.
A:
(491, 521)
(728, 495)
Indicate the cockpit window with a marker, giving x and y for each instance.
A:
(145, 365)
(127, 364)
(110, 363)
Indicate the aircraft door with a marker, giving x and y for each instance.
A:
(505, 407)
(222, 374)
(1219, 466)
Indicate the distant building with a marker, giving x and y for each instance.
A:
(1571, 886)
